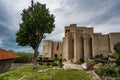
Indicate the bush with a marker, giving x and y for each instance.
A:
(60, 62)
(117, 47)
(54, 64)
(104, 58)
(101, 56)
(118, 59)
(91, 63)
(48, 64)
(24, 57)
(108, 70)
(41, 63)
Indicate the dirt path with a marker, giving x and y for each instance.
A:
(68, 65)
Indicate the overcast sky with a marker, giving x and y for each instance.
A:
(103, 15)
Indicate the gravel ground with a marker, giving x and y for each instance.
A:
(68, 65)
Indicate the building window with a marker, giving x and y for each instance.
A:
(67, 30)
(60, 55)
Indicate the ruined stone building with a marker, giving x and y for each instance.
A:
(81, 43)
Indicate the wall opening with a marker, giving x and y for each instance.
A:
(55, 56)
(72, 54)
(82, 49)
(90, 46)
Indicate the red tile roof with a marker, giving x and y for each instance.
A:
(7, 55)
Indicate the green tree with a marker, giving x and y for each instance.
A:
(117, 47)
(117, 50)
(36, 21)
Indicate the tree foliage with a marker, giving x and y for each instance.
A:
(36, 21)
(117, 47)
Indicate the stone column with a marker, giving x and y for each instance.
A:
(86, 47)
(77, 47)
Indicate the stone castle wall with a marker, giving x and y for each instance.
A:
(114, 38)
(81, 43)
(64, 49)
(49, 49)
(101, 44)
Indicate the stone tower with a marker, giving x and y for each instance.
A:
(49, 49)
(77, 43)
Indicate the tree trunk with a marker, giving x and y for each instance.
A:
(34, 60)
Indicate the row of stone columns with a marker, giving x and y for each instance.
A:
(82, 47)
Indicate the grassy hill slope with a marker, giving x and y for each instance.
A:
(26, 73)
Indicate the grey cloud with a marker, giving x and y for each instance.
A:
(111, 13)
(103, 15)
(91, 12)
(7, 36)
(4, 22)
(4, 16)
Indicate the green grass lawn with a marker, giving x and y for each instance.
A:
(26, 73)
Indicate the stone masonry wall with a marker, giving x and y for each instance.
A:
(47, 49)
(114, 38)
(77, 47)
(101, 44)
(87, 47)
(60, 49)
(81, 43)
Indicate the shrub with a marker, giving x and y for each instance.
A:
(118, 59)
(41, 63)
(24, 57)
(104, 58)
(108, 70)
(48, 64)
(91, 63)
(54, 64)
(101, 56)
(60, 62)
(117, 47)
